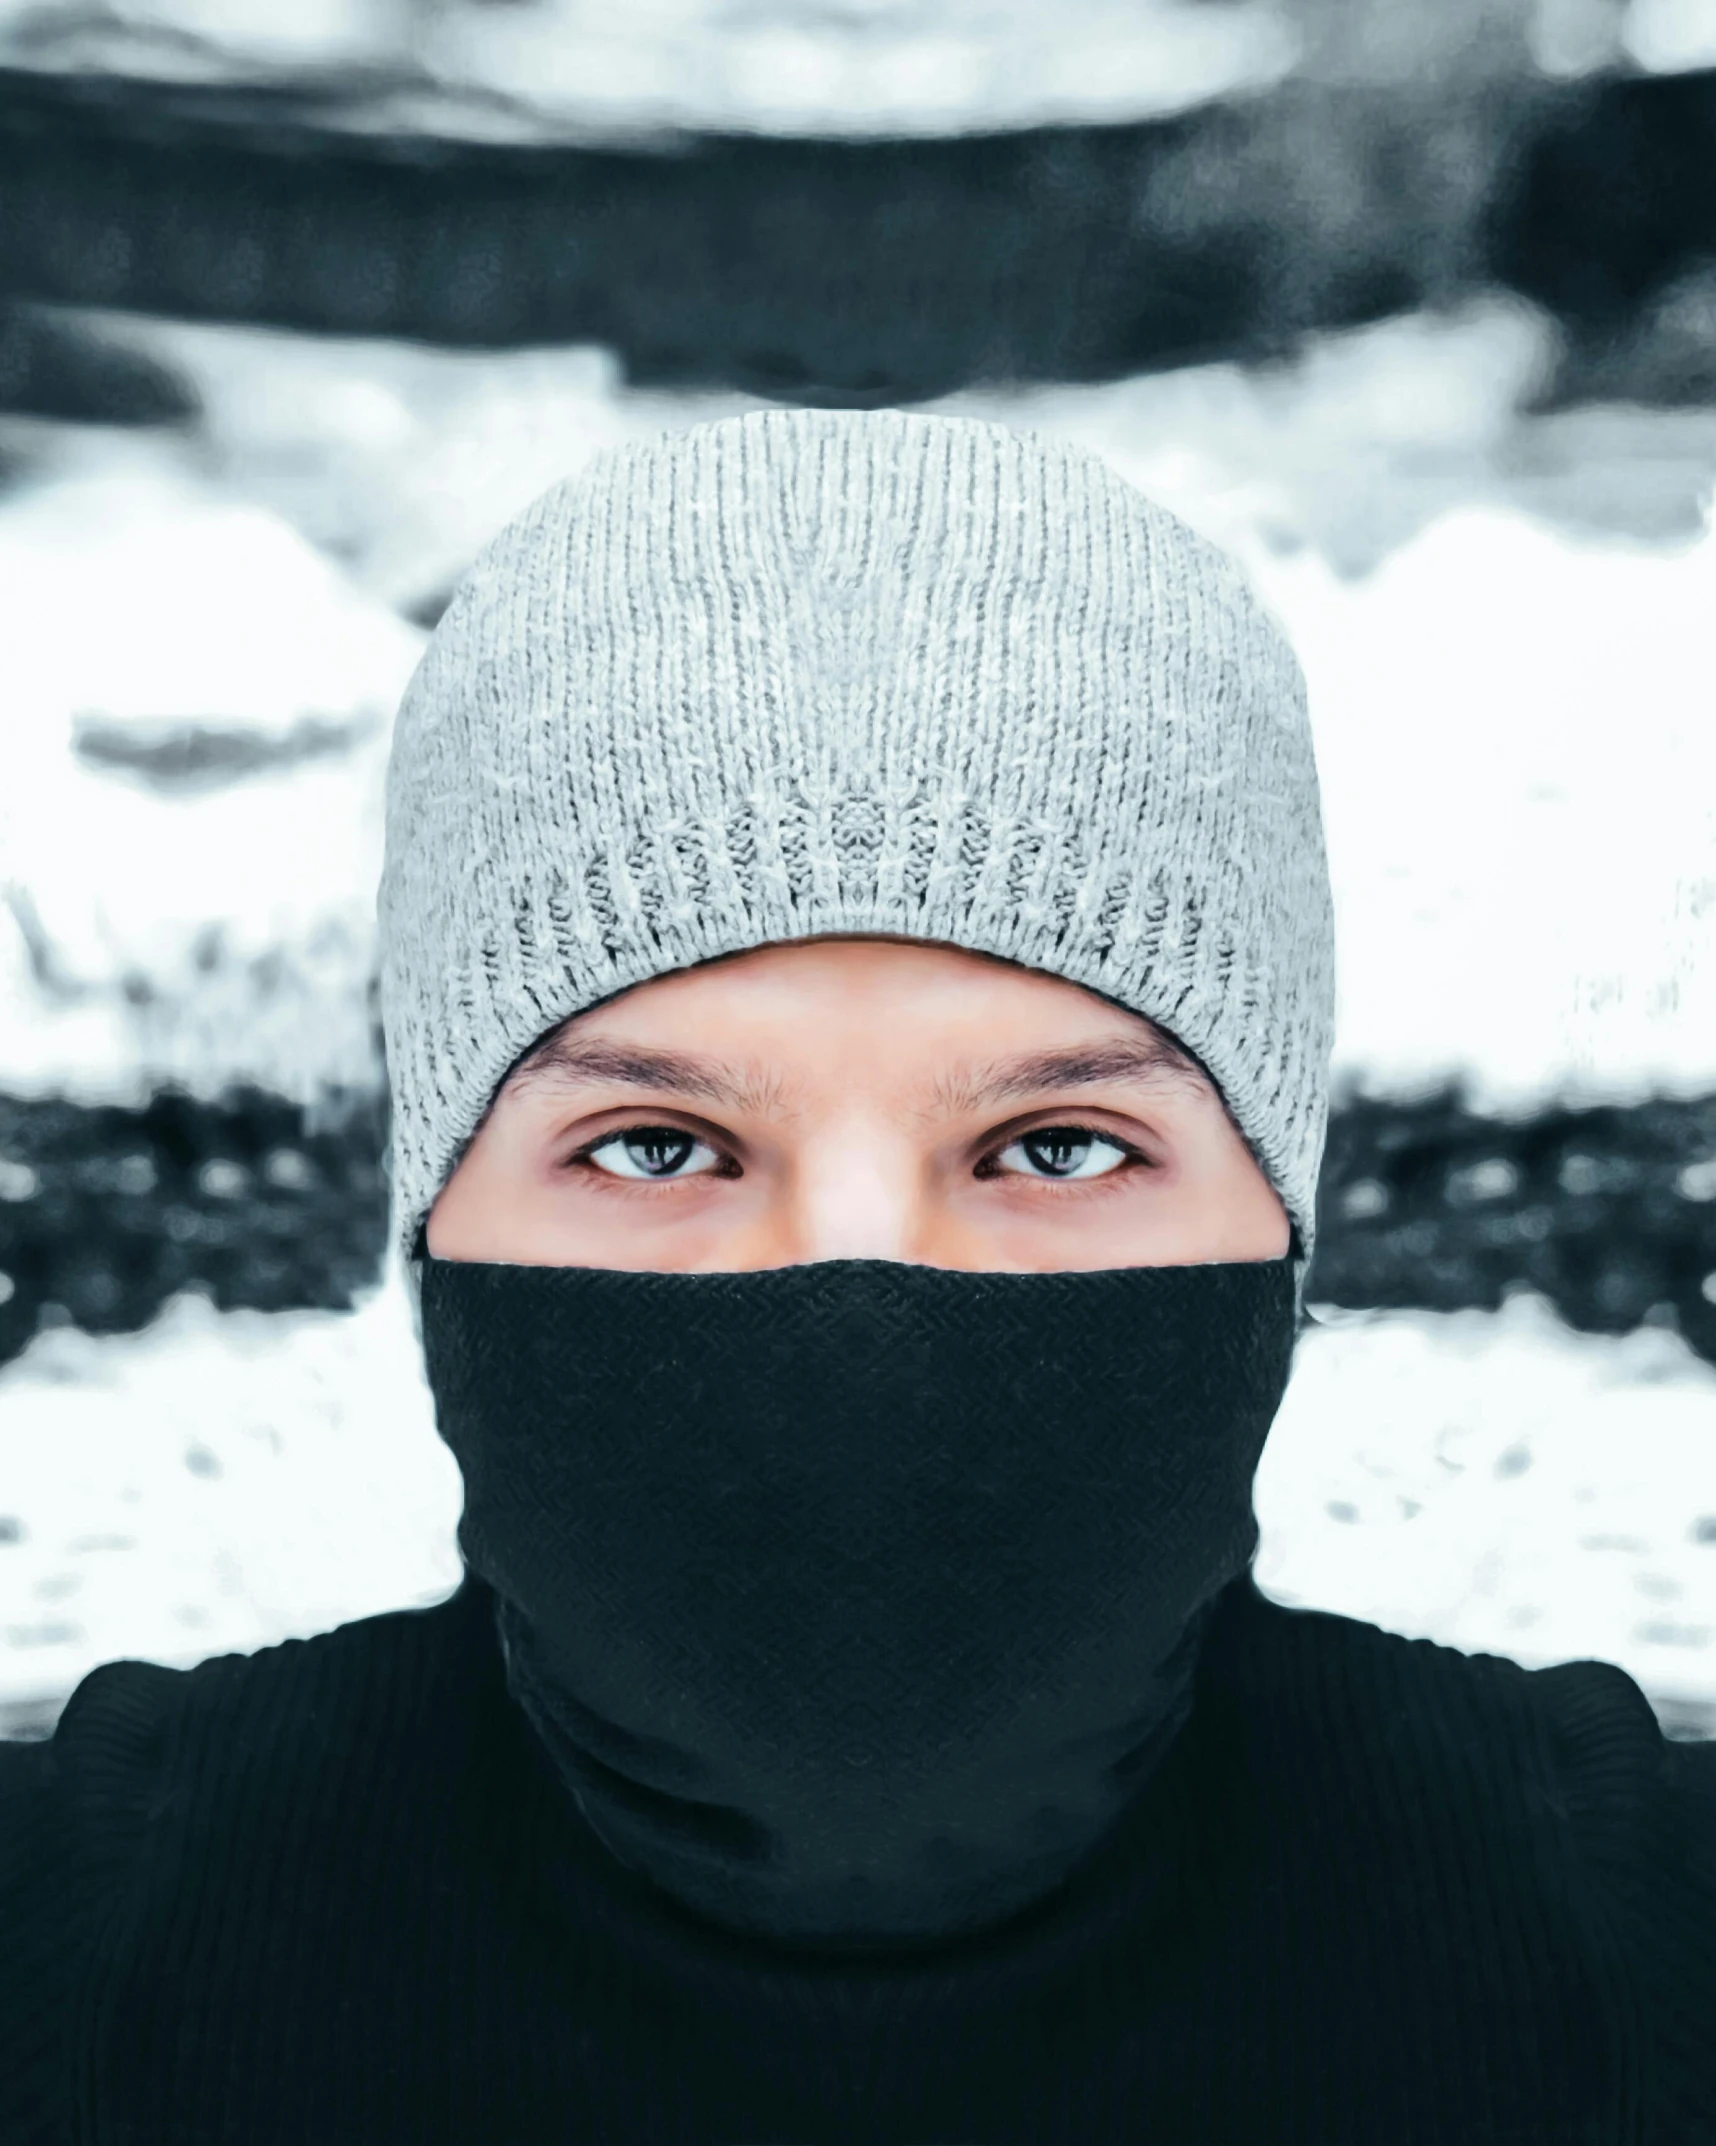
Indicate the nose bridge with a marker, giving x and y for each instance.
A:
(857, 1187)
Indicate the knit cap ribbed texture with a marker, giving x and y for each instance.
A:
(809, 671)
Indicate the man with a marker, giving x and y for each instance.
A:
(858, 982)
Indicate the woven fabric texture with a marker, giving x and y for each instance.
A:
(810, 671)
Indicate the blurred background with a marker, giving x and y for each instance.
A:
(1414, 308)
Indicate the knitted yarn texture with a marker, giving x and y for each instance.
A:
(808, 671)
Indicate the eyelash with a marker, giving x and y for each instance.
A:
(1107, 1182)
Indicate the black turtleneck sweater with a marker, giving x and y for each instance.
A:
(1377, 1893)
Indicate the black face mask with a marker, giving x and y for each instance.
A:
(854, 1600)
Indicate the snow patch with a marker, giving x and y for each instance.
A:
(160, 926)
(1503, 1485)
(223, 1481)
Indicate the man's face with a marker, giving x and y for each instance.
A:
(856, 1098)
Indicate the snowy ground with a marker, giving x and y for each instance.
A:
(1507, 623)
(1505, 620)
(220, 1482)
(845, 68)
(867, 66)
(852, 68)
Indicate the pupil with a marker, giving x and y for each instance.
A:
(1059, 1142)
(653, 1143)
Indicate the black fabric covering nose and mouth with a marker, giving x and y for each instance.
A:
(854, 1600)
(844, 1599)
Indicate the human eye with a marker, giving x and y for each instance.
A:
(1073, 1149)
(1066, 1154)
(671, 1142)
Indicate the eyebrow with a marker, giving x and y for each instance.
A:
(567, 1062)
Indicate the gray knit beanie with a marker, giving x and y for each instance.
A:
(809, 671)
